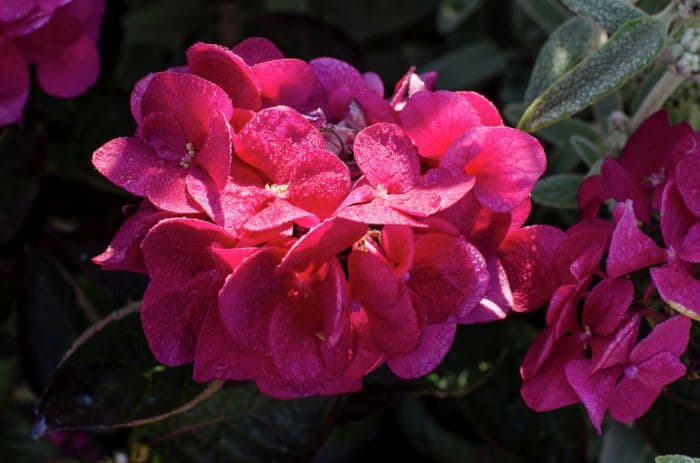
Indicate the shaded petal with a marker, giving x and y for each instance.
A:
(277, 214)
(614, 350)
(549, 389)
(479, 225)
(399, 245)
(688, 177)
(606, 305)
(590, 197)
(275, 139)
(630, 249)
(670, 336)
(689, 251)
(376, 212)
(192, 100)
(449, 276)
(435, 342)
(678, 288)
(223, 67)
(287, 82)
(593, 390)
(618, 183)
(498, 300)
(134, 166)
(256, 50)
(631, 399)
(387, 157)
(319, 183)
(215, 155)
(70, 72)
(14, 84)
(162, 132)
(506, 163)
(676, 219)
(137, 95)
(529, 258)
(660, 370)
(433, 120)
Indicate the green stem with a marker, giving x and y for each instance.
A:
(656, 98)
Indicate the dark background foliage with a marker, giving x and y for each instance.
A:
(56, 212)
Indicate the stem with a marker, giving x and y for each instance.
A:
(663, 89)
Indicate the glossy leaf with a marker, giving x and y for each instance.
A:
(632, 48)
(566, 47)
(109, 378)
(557, 191)
(240, 424)
(611, 14)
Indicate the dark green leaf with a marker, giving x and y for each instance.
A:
(611, 14)
(456, 69)
(452, 13)
(109, 378)
(240, 424)
(566, 47)
(548, 14)
(558, 191)
(628, 51)
(585, 150)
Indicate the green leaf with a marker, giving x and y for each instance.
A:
(622, 444)
(240, 424)
(109, 378)
(456, 70)
(566, 47)
(558, 191)
(631, 49)
(676, 459)
(548, 14)
(452, 13)
(611, 14)
(585, 150)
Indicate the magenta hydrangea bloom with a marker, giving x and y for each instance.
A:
(59, 37)
(299, 229)
(593, 356)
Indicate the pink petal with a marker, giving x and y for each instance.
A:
(256, 50)
(449, 276)
(519, 215)
(223, 67)
(606, 305)
(14, 84)
(676, 219)
(618, 183)
(374, 83)
(481, 226)
(319, 183)
(399, 245)
(631, 399)
(376, 212)
(124, 252)
(660, 370)
(321, 244)
(248, 298)
(277, 214)
(506, 163)
(192, 100)
(215, 154)
(497, 301)
(433, 120)
(435, 342)
(229, 207)
(580, 254)
(688, 178)
(218, 357)
(678, 288)
(137, 95)
(549, 389)
(12, 10)
(132, 165)
(670, 336)
(387, 157)
(438, 190)
(71, 72)
(529, 258)
(590, 197)
(614, 350)
(288, 82)
(593, 390)
(485, 109)
(162, 132)
(630, 249)
(275, 139)
(689, 251)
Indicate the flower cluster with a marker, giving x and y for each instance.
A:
(590, 350)
(58, 37)
(299, 229)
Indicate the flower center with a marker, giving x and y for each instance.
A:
(631, 371)
(281, 191)
(382, 192)
(187, 159)
(657, 178)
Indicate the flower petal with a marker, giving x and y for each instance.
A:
(72, 71)
(671, 335)
(435, 342)
(288, 82)
(256, 50)
(14, 84)
(606, 305)
(688, 178)
(319, 183)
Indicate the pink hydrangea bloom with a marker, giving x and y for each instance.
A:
(59, 37)
(300, 229)
(594, 357)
